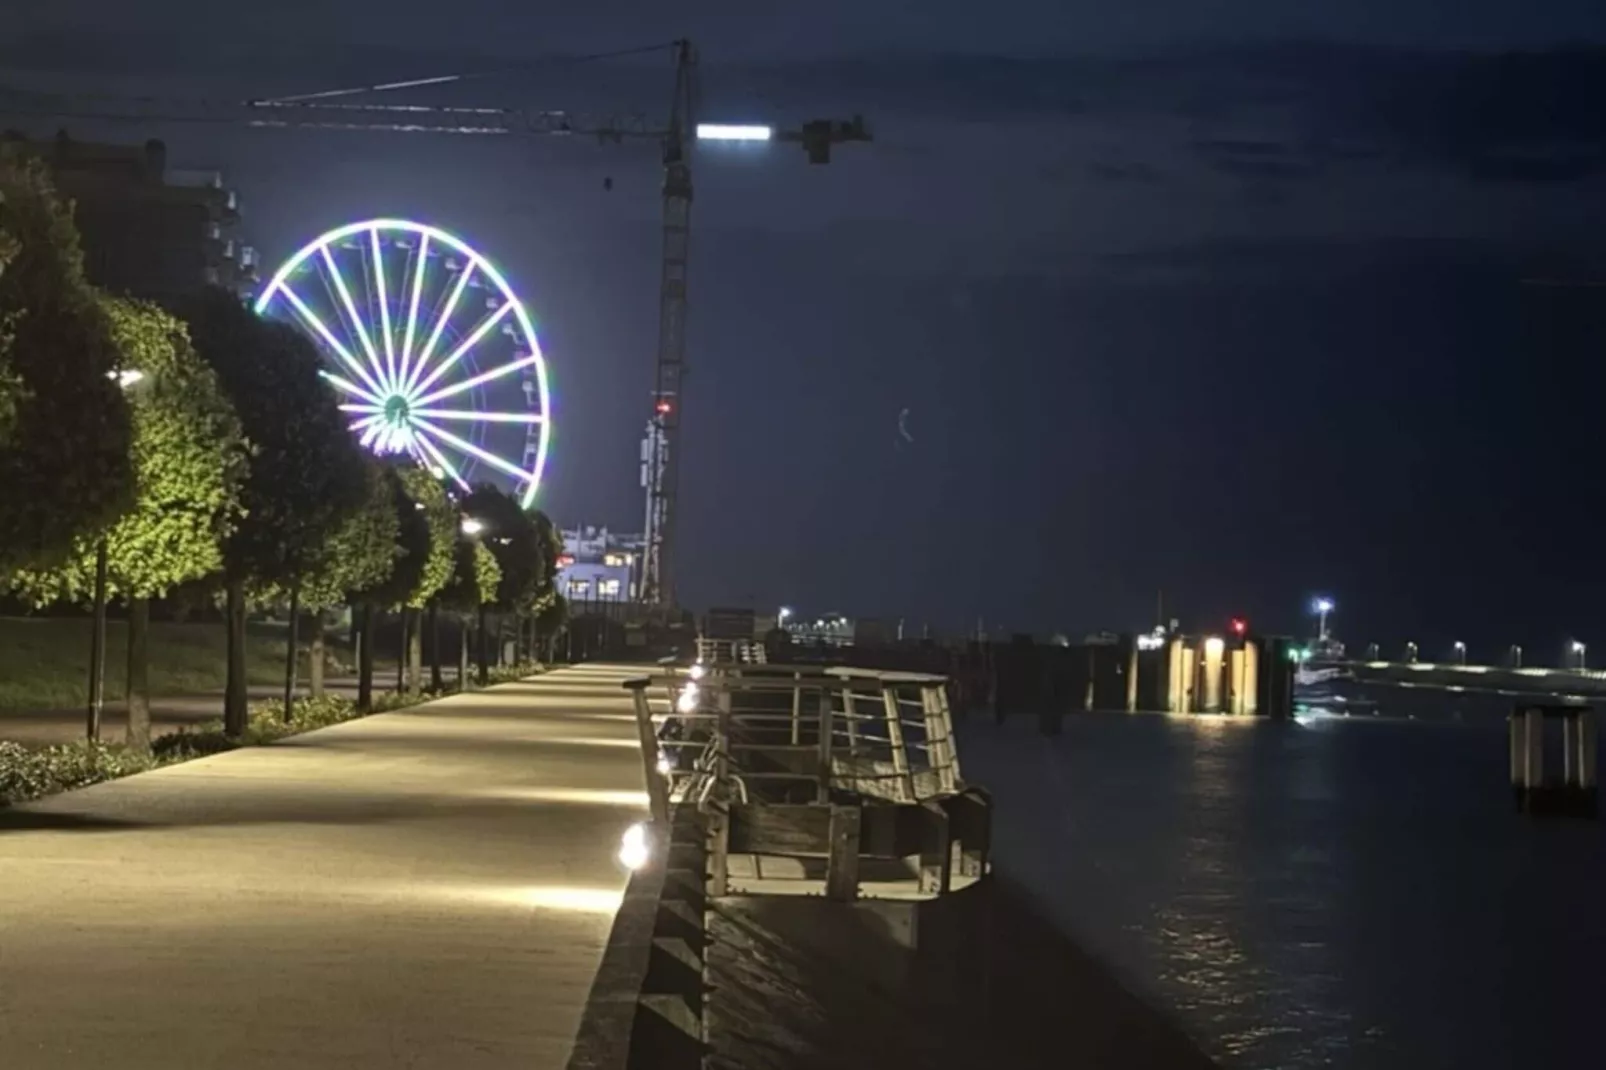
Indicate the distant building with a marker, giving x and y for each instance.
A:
(833, 629)
(147, 230)
(598, 565)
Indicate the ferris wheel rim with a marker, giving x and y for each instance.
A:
(369, 397)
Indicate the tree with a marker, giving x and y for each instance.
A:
(473, 585)
(306, 473)
(440, 516)
(526, 546)
(11, 390)
(357, 558)
(65, 458)
(550, 621)
(189, 461)
(406, 575)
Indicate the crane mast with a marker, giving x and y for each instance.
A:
(663, 438)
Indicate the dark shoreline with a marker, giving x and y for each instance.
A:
(800, 983)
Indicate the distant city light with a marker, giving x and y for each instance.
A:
(1324, 605)
(733, 132)
(1238, 626)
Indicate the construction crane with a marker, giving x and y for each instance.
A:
(334, 110)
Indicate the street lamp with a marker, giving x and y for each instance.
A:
(472, 527)
(1460, 652)
(124, 378)
(1323, 607)
(1579, 650)
(781, 617)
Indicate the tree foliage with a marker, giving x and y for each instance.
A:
(440, 517)
(526, 546)
(189, 461)
(412, 542)
(475, 576)
(306, 474)
(362, 553)
(65, 462)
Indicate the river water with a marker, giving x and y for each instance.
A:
(1327, 892)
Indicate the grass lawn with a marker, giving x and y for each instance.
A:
(44, 663)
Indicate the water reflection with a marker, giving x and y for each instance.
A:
(1340, 891)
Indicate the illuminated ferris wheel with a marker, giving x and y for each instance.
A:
(431, 352)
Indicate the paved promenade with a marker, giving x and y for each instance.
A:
(428, 888)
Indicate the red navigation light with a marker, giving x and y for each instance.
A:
(1238, 626)
(663, 408)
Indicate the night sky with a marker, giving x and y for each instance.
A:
(1221, 298)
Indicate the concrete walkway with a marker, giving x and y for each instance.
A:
(428, 888)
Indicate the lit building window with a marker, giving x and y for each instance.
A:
(579, 587)
(608, 588)
(613, 561)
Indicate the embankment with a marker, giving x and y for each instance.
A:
(979, 978)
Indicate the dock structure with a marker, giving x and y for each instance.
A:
(791, 790)
(1575, 791)
(817, 780)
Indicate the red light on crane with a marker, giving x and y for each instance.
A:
(663, 408)
(1239, 626)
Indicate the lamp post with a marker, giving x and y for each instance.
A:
(1460, 652)
(474, 528)
(124, 378)
(1579, 650)
(1323, 607)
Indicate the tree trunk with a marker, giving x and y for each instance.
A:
(139, 677)
(235, 713)
(315, 655)
(364, 624)
(290, 654)
(462, 654)
(415, 652)
(436, 683)
(485, 642)
(401, 651)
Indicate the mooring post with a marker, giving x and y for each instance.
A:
(1517, 730)
(1587, 754)
(1533, 749)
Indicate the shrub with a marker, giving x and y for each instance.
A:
(30, 773)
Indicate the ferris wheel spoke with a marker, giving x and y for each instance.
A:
(486, 326)
(464, 446)
(469, 384)
(426, 446)
(356, 319)
(363, 408)
(347, 386)
(440, 323)
(311, 319)
(473, 416)
(384, 303)
(412, 306)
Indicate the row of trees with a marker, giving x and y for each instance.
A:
(200, 444)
